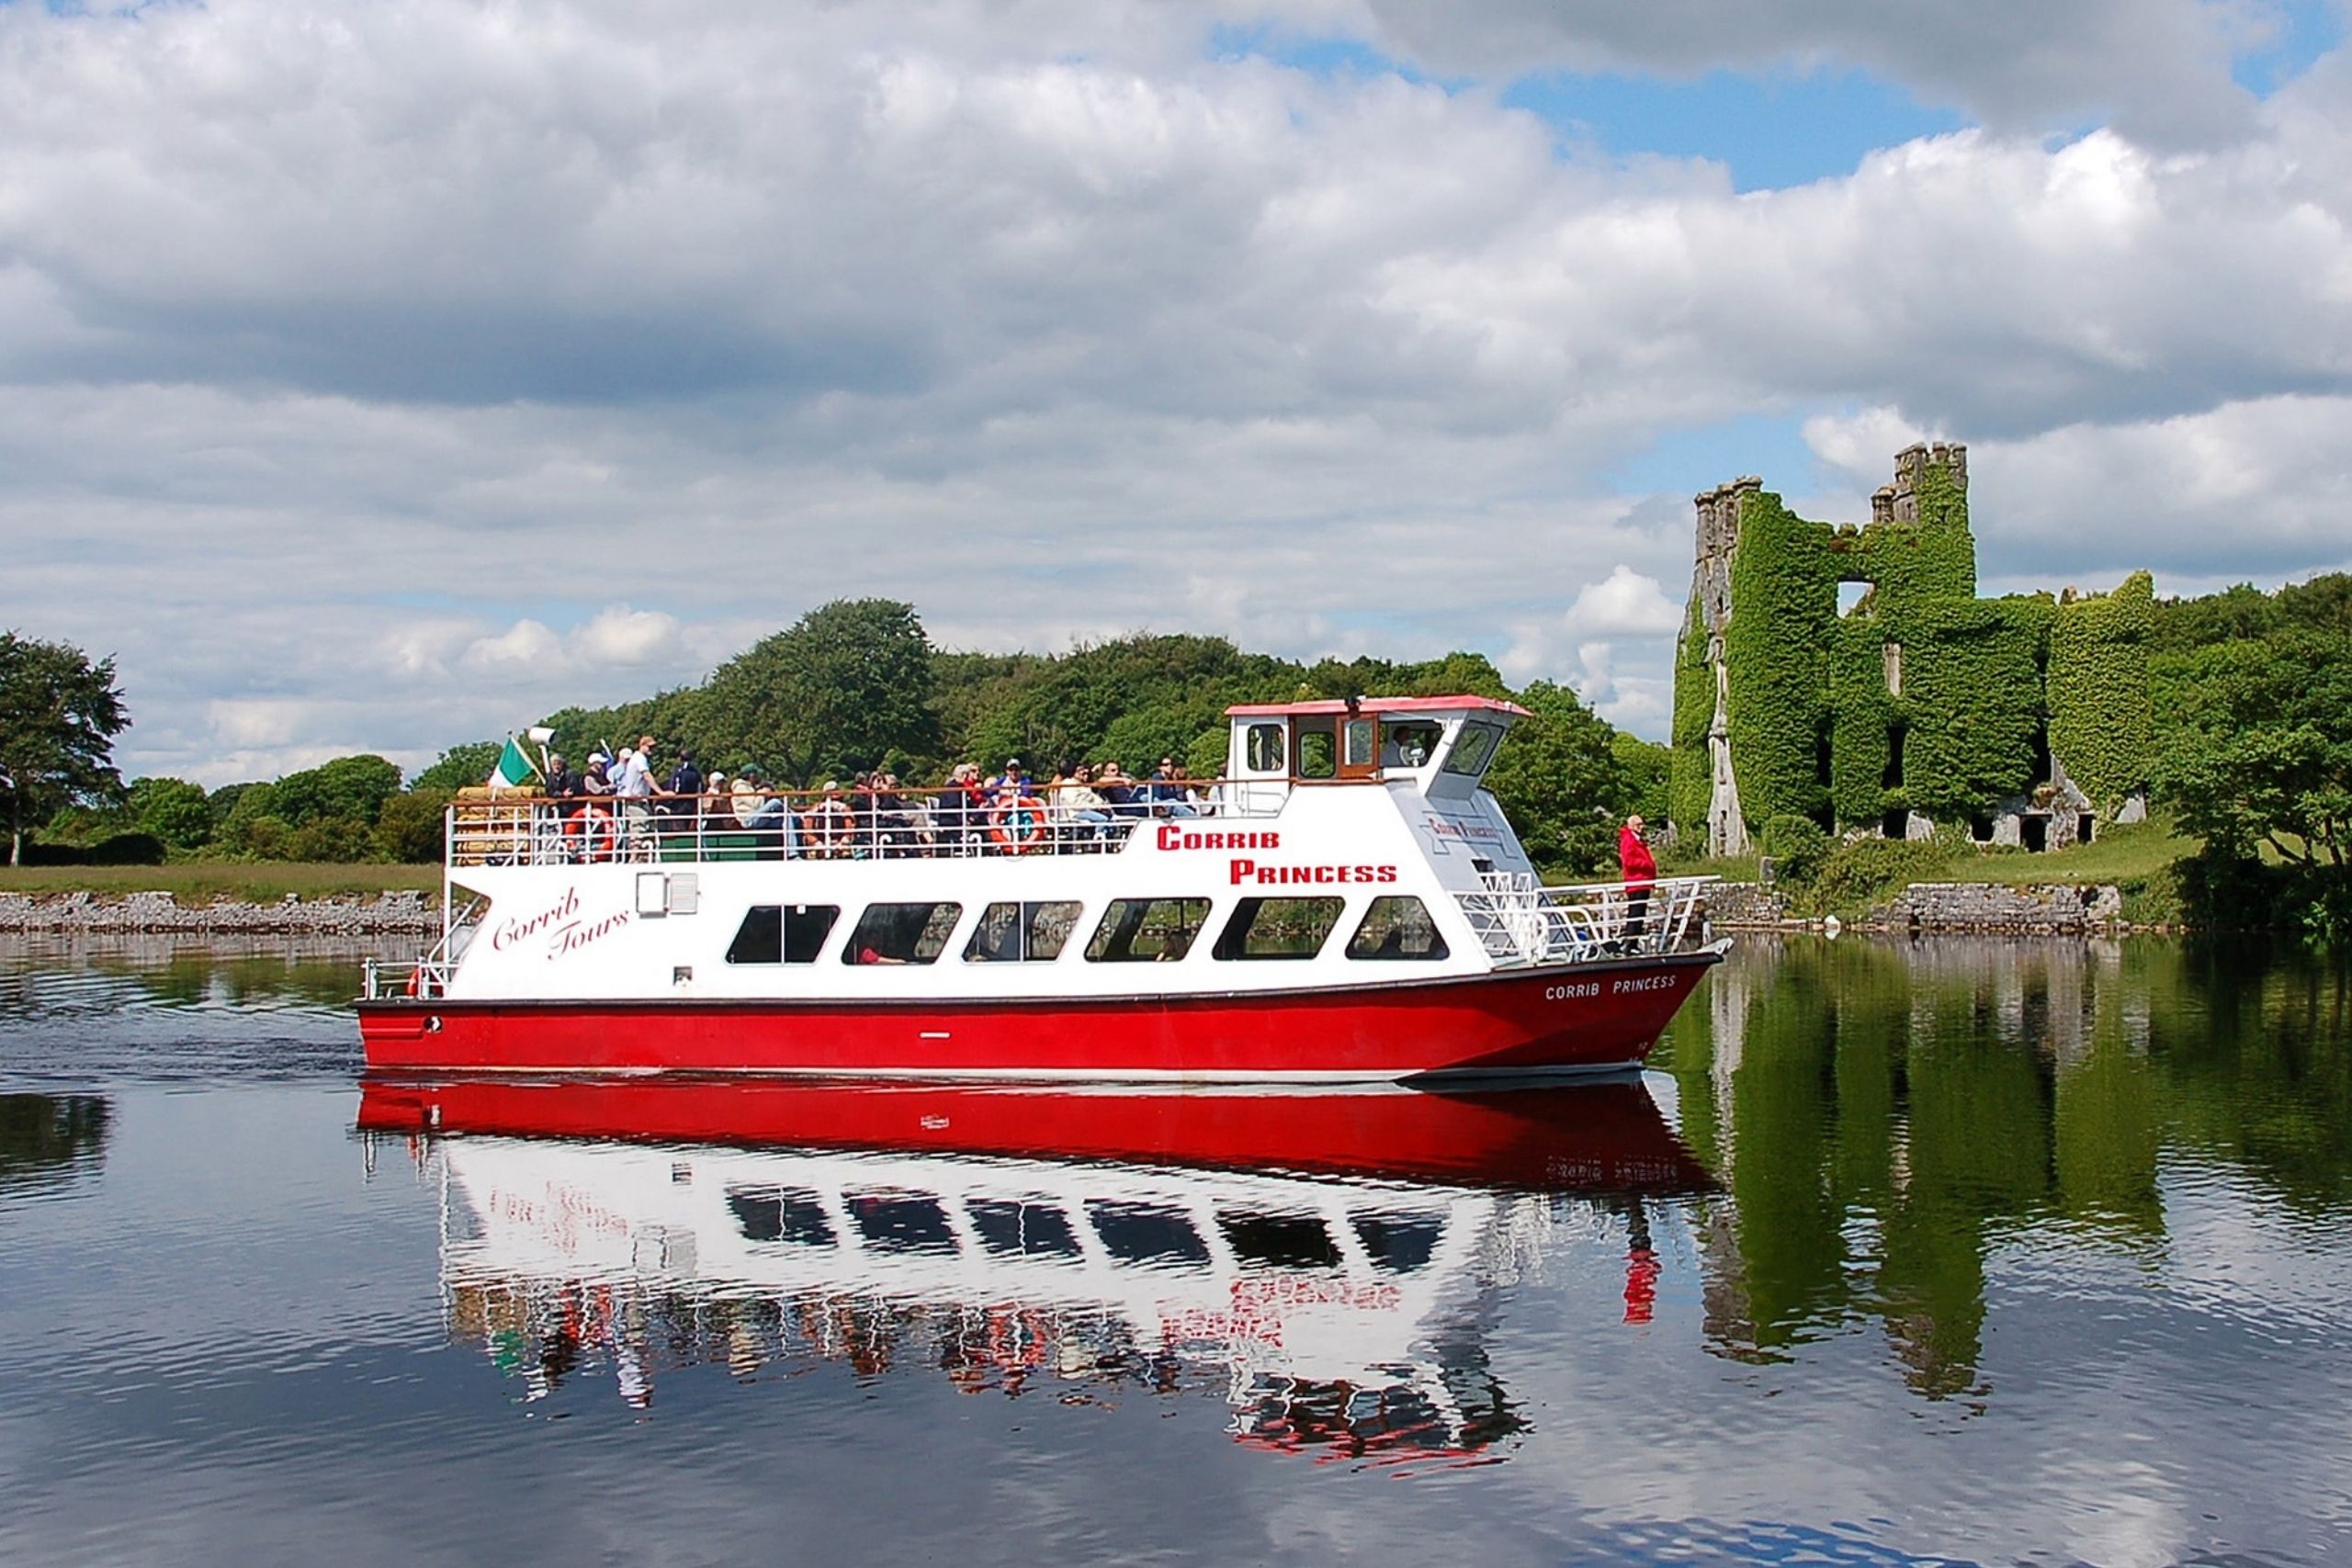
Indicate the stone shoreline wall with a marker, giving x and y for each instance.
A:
(2050, 910)
(393, 914)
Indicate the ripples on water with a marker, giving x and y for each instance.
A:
(1965, 1252)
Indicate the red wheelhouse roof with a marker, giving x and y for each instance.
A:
(1378, 704)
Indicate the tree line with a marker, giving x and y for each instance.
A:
(2252, 697)
(856, 685)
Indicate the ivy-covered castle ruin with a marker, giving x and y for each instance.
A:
(2019, 721)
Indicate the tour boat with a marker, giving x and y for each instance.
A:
(1347, 903)
(1328, 1255)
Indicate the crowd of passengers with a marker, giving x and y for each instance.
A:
(625, 799)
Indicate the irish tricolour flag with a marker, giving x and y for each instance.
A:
(514, 768)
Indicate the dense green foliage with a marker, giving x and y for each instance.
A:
(856, 684)
(1784, 597)
(2101, 723)
(1690, 783)
(58, 715)
(2258, 763)
(1921, 698)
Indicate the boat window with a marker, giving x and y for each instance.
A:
(1281, 1241)
(1013, 1229)
(901, 1222)
(1022, 933)
(1263, 748)
(1138, 930)
(1410, 743)
(780, 1213)
(1318, 754)
(1279, 928)
(1145, 1233)
(1472, 748)
(777, 933)
(1356, 738)
(1397, 926)
(900, 933)
(1399, 1243)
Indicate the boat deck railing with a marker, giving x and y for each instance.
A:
(1523, 921)
(519, 830)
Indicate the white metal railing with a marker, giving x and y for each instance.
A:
(814, 825)
(1522, 921)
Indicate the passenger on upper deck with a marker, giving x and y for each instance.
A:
(1075, 799)
(959, 811)
(831, 827)
(1121, 794)
(1169, 795)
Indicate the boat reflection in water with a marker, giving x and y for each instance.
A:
(1332, 1253)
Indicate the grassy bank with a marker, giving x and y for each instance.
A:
(206, 881)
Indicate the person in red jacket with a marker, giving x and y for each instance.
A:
(1640, 871)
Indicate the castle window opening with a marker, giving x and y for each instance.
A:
(1850, 594)
(1897, 733)
(2086, 825)
(1980, 829)
(1895, 825)
(2033, 830)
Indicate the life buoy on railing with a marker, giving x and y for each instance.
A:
(1019, 824)
(596, 830)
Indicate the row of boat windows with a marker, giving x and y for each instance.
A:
(1131, 930)
(1404, 743)
(894, 1221)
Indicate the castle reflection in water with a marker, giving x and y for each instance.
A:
(1330, 1260)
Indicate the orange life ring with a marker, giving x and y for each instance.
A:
(1019, 824)
(416, 981)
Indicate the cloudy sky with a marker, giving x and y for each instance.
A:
(376, 376)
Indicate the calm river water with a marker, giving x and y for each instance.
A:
(1955, 1252)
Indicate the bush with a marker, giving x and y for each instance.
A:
(1797, 847)
(1862, 872)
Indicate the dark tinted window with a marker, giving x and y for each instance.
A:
(1396, 927)
(760, 939)
(901, 1222)
(806, 926)
(1015, 1230)
(1278, 928)
(1281, 1241)
(1147, 1233)
(900, 933)
(1017, 934)
(780, 1213)
(1400, 1243)
(1141, 929)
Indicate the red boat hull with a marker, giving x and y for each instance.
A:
(1595, 1138)
(1586, 1019)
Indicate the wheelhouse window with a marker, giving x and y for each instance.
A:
(1278, 928)
(1410, 743)
(1023, 933)
(1473, 749)
(1318, 753)
(1263, 748)
(900, 933)
(1396, 927)
(1355, 738)
(1143, 931)
(781, 933)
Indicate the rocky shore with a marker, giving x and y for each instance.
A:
(2052, 910)
(392, 914)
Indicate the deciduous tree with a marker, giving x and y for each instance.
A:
(58, 715)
